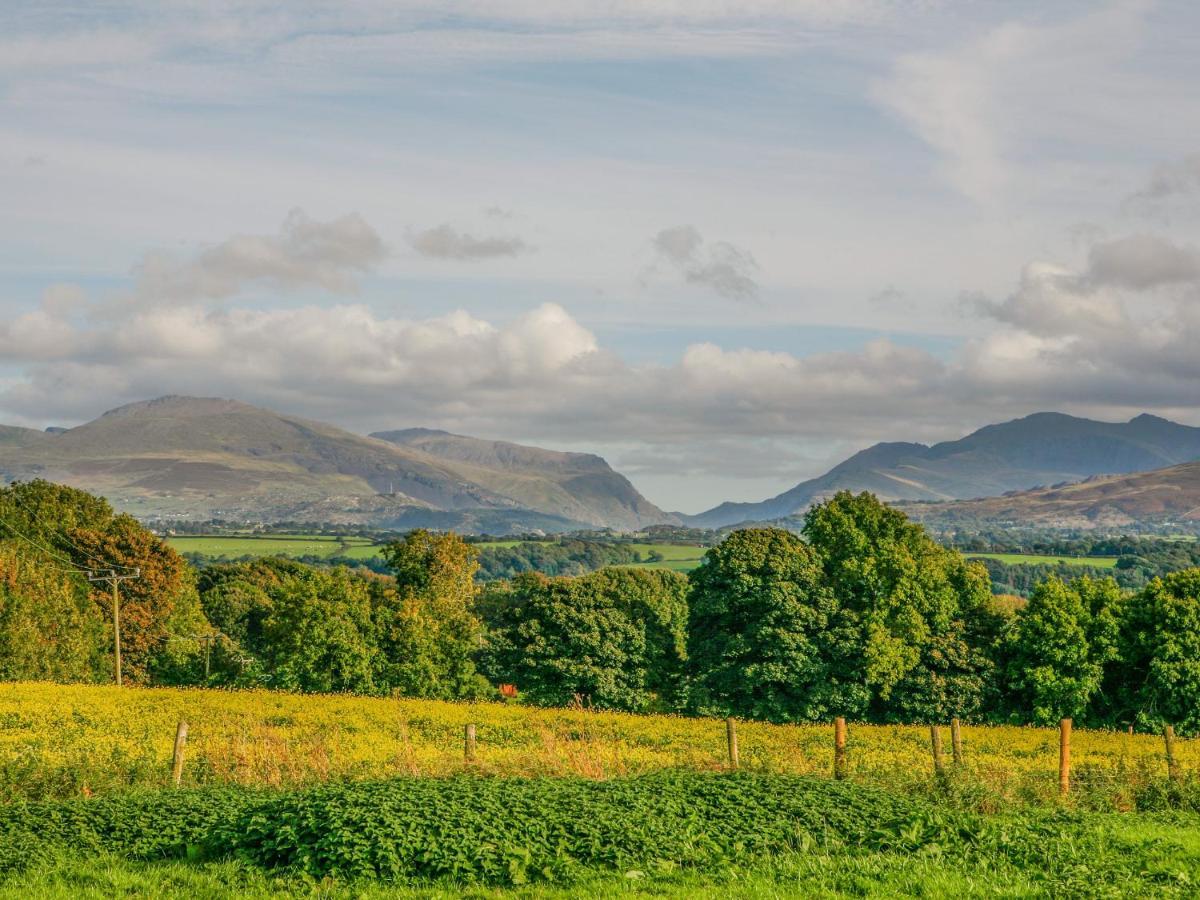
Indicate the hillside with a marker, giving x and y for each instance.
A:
(580, 486)
(1165, 496)
(1038, 450)
(198, 458)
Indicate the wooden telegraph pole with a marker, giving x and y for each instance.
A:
(115, 579)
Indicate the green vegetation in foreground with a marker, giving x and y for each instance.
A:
(1033, 559)
(672, 834)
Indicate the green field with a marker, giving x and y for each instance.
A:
(1032, 559)
(677, 557)
(234, 546)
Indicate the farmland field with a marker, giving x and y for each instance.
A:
(680, 558)
(235, 546)
(283, 792)
(1033, 559)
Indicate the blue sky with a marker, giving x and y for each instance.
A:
(723, 244)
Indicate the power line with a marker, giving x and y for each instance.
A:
(63, 535)
(73, 568)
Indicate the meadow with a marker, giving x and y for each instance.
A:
(65, 741)
(341, 796)
(1033, 559)
(680, 558)
(235, 546)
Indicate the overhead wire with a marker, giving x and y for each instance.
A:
(73, 569)
(62, 534)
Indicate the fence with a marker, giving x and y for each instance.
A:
(840, 754)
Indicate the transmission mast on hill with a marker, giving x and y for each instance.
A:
(113, 578)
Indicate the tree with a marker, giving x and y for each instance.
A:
(615, 636)
(292, 626)
(317, 634)
(906, 609)
(761, 626)
(425, 624)
(1161, 653)
(1052, 671)
(160, 610)
(49, 629)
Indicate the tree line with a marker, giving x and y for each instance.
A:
(861, 615)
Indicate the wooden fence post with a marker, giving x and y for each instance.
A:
(731, 742)
(839, 747)
(469, 743)
(935, 740)
(1172, 763)
(1064, 757)
(956, 740)
(177, 757)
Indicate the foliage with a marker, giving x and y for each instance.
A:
(906, 607)
(65, 528)
(426, 627)
(303, 628)
(655, 829)
(48, 628)
(615, 637)
(763, 629)
(1161, 652)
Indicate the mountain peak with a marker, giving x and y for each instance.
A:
(179, 405)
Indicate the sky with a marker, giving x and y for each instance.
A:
(723, 244)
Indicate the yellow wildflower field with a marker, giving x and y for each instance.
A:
(68, 740)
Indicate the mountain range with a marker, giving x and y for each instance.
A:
(1039, 450)
(201, 458)
(1169, 496)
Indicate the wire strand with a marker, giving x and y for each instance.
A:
(63, 535)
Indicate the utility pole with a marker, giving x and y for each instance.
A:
(114, 579)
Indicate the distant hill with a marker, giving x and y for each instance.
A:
(199, 458)
(1041, 449)
(580, 486)
(1167, 496)
(11, 436)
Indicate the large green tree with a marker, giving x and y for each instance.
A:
(292, 626)
(615, 637)
(425, 622)
(1053, 670)
(1160, 644)
(907, 610)
(761, 626)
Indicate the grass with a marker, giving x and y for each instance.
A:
(71, 740)
(1033, 559)
(236, 546)
(995, 827)
(677, 557)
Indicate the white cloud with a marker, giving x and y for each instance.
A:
(1024, 91)
(446, 242)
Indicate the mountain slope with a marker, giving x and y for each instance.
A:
(1164, 496)
(581, 486)
(198, 458)
(1041, 449)
(12, 436)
